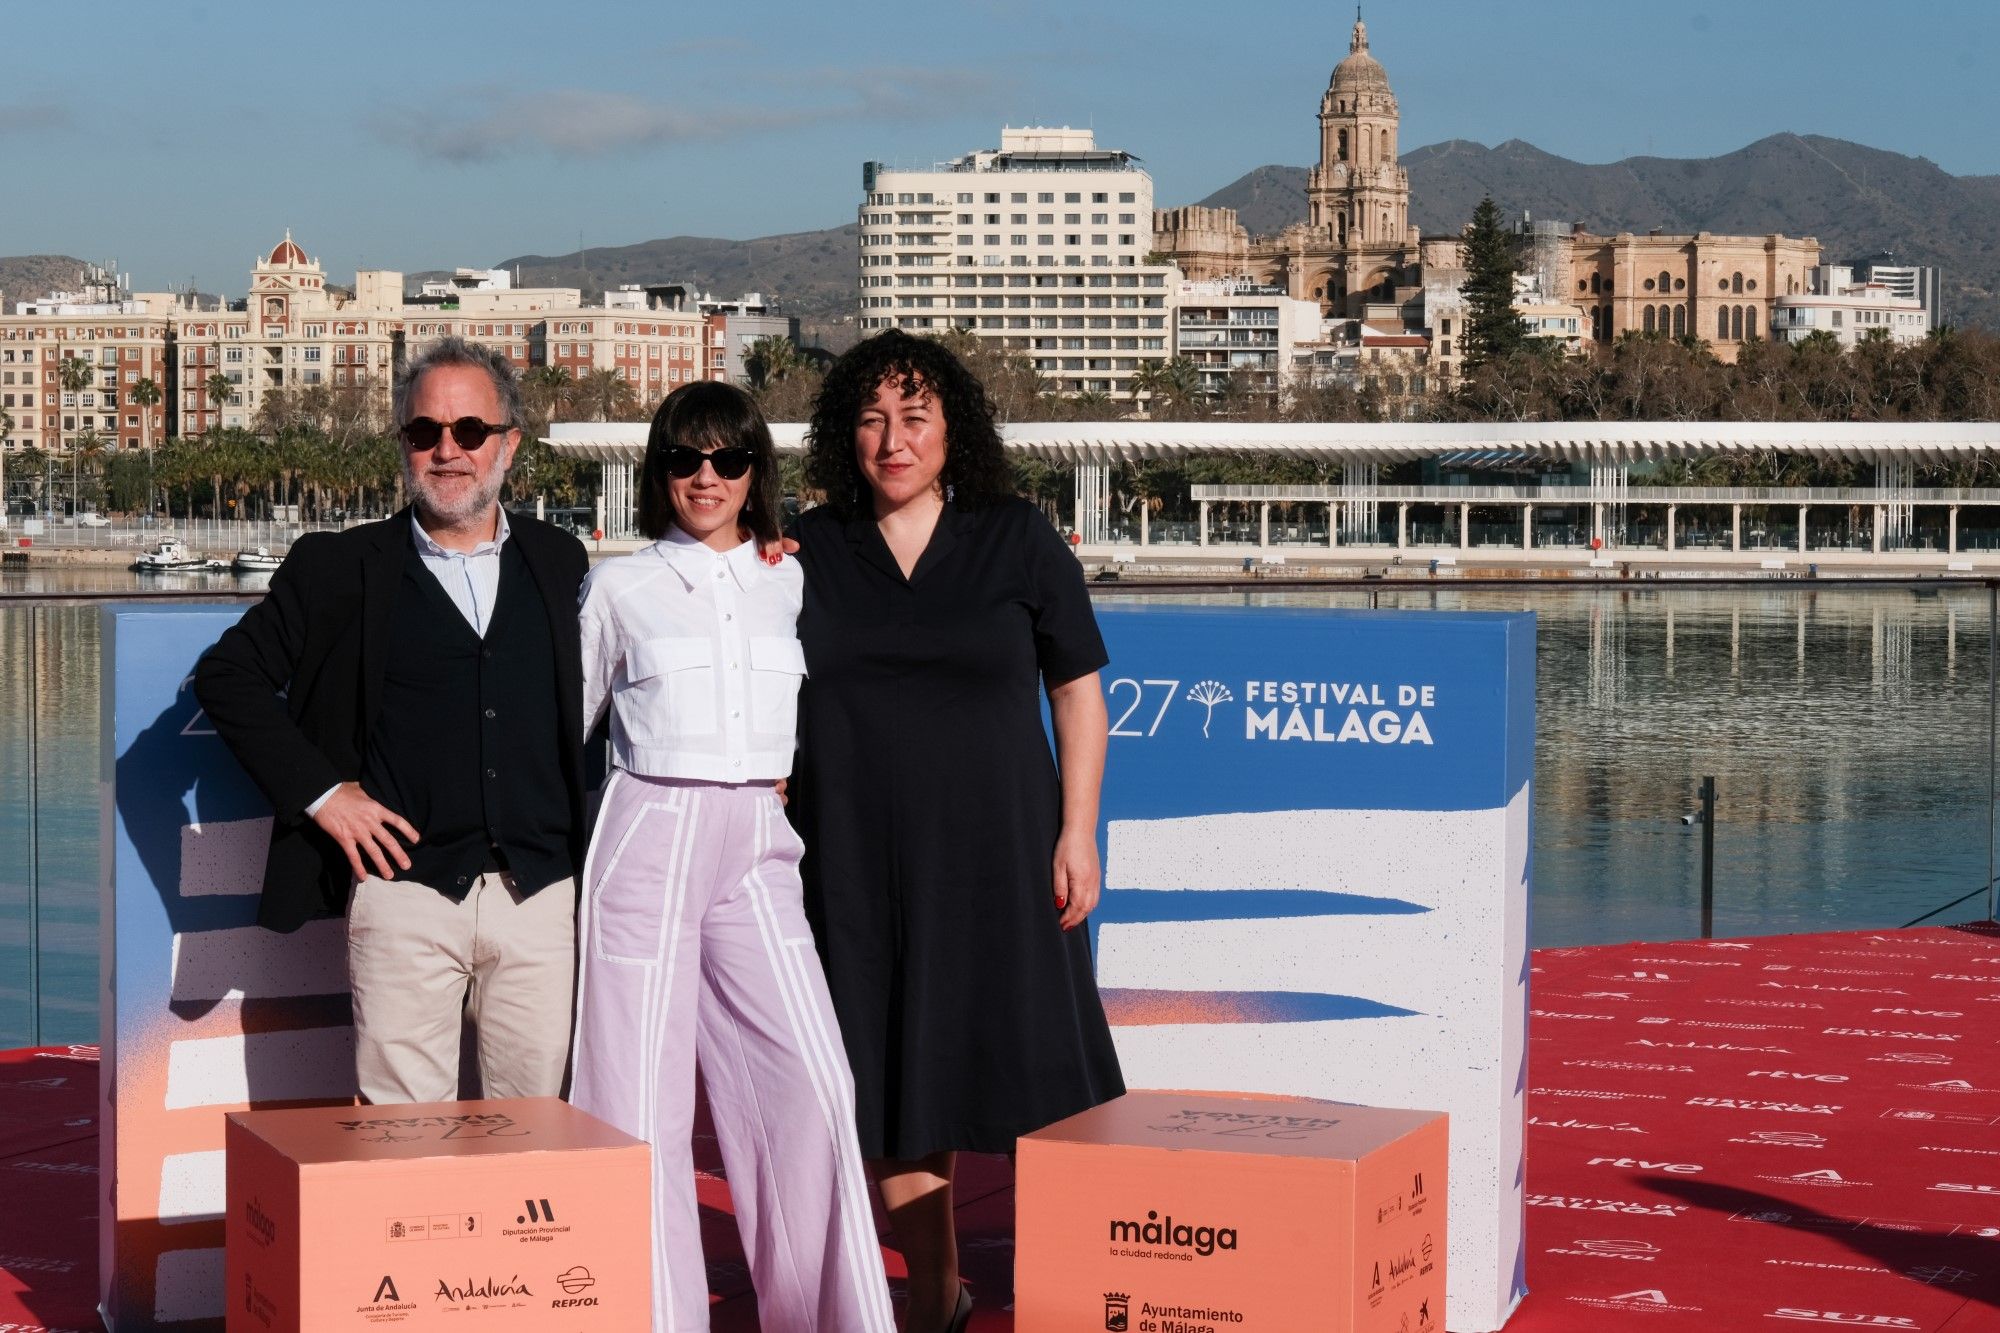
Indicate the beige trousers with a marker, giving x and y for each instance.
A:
(420, 964)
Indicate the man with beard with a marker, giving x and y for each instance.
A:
(409, 698)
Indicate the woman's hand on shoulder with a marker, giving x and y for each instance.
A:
(1078, 878)
(772, 553)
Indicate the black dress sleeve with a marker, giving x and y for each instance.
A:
(1067, 643)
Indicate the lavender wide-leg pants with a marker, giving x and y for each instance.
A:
(695, 945)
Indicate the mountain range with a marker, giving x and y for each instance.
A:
(1856, 200)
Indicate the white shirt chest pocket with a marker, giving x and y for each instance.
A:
(777, 667)
(672, 690)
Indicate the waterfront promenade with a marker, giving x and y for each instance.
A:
(1726, 1135)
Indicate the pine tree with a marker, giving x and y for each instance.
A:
(1492, 330)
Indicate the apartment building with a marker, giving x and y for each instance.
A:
(1850, 311)
(217, 367)
(1037, 245)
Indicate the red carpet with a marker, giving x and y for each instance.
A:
(1741, 1135)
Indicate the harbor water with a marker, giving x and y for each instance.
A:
(1846, 728)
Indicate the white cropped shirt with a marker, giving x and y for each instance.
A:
(696, 653)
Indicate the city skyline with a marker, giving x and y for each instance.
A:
(448, 135)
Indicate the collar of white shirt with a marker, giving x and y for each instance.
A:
(693, 559)
(429, 547)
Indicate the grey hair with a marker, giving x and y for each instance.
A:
(455, 351)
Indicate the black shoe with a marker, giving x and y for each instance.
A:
(961, 1314)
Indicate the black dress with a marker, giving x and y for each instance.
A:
(929, 803)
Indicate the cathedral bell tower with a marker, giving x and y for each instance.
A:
(1359, 196)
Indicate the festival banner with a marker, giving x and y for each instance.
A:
(202, 1011)
(1317, 833)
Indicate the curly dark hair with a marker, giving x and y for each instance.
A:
(707, 415)
(975, 463)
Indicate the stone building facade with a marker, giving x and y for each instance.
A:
(1719, 288)
(1356, 246)
(1356, 250)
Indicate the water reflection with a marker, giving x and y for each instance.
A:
(1845, 727)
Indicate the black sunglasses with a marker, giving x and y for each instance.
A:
(467, 432)
(729, 463)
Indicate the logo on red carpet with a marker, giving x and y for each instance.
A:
(1945, 1085)
(1637, 1164)
(1910, 1058)
(1824, 1179)
(1587, 1205)
(1892, 1035)
(1745, 1104)
(1951, 1187)
(1779, 1138)
(1628, 1251)
(1804, 1078)
(1922, 1013)
(1940, 1117)
(1844, 1318)
(1117, 1311)
(1650, 1301)
(1622, 1127)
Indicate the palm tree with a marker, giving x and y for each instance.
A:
(1147, 382)
(75, 375)
(769, 360)
(218, 388)
(546, 391)
(88, 446)
(146, 396)
(6, 429)
(605, 395)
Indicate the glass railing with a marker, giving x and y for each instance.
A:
(1848, 724)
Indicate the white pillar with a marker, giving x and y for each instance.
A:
(1673, 514)
(1951, 532)
(1802, 529)
(1204, 523)
(1402, 524)
(1597, 524)
(1875, 530)
(1145, 523)
(1332, 525)
(1264, 524)
(1527, 527)
(1736, 527)
(617, 519)
(1464, 525)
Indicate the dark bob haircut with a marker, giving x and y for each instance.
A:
(708, 415)
(975, 465)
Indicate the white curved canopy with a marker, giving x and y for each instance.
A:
(1601, 442)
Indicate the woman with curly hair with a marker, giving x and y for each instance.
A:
(950, 855)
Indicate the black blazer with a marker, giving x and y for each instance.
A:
(293, 687)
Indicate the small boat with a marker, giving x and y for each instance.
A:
(171, 555)
(259, 561)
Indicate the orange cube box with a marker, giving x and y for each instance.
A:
(1188, 1212)
(489, 1215)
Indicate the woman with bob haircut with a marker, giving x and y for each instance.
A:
(693, 940)
(950, 855)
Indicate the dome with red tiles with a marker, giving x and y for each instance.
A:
(287, 252)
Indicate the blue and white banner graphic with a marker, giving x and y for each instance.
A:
(1317, 866)
(202, 1011)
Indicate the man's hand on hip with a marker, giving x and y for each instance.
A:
(365, 828)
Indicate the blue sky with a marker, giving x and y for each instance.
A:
(182, 139)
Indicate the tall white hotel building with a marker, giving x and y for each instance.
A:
(1037, 244)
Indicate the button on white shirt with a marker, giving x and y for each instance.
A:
(696, 653)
